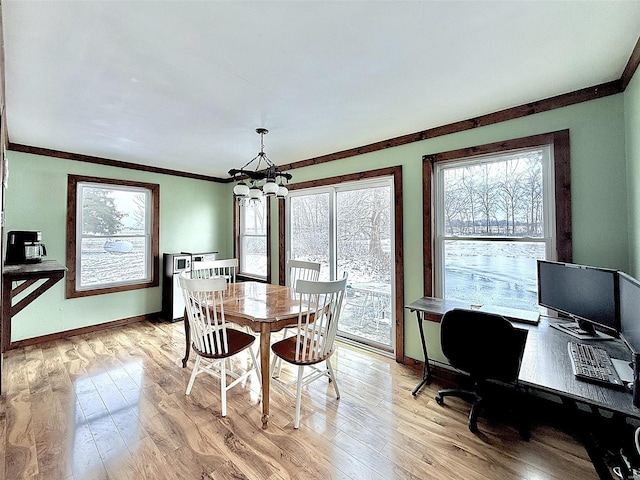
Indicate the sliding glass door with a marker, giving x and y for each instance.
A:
(349, 228)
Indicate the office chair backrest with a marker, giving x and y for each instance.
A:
(482, 344)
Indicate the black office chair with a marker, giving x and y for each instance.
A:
(487, 347)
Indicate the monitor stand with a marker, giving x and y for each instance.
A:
(578, 330)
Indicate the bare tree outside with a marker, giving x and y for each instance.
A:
(486, 203)
(363, 233)
(500, 198)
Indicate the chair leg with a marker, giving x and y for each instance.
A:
(196, 367)
(223, 387)
(332, 377)
(272, 369)
(475, 412)
(251, 332)
(296, 421)
(454, 392)
(256, 365)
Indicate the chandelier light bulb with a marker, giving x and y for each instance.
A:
(241, 190)
(282, 191)
(270, 188)
(254, 192)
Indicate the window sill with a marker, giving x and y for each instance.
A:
(250, 278)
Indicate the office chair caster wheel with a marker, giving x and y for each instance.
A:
(439, 400)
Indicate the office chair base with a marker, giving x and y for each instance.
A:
(455, 392)
(477, 400)
(472, 397)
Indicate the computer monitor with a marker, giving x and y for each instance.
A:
(588, 295)
(629, 295)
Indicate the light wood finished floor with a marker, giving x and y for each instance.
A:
(111, 405)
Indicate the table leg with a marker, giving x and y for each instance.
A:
(187, 340)
(426, 371)
(265, 351)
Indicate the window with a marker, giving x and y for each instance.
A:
(252, 239)
(494, 215)
(349, 227)
(313, 197)
(492, 224)
(112, 240)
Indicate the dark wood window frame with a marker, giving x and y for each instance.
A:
(236, 241)
(72, 183)
(562, 172)
(396, 173)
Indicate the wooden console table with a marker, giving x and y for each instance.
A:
(24, 276)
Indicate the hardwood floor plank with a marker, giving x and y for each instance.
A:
(52, 435)
(86, 462)
(111, 405)
(21, 455)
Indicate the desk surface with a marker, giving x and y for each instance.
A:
(545, 362)
(546, 366)
(434, 308)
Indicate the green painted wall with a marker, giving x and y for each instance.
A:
(194, 216)
(598, 177)
(197, 215)
(632, 125)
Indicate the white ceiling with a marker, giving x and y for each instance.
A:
(183, 85)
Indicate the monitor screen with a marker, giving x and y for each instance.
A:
(630, 311)
(587, 294)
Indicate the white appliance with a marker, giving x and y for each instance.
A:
(202, 257)
(172, 299)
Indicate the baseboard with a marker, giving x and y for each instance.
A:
(82, 331)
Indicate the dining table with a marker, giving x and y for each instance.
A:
(265, 308)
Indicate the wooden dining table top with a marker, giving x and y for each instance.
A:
(260, 302)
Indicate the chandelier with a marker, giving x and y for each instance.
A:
(264, 169)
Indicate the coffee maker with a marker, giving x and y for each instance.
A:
(24, 247)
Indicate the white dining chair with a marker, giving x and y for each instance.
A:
(301, 270)
(312, 344)
(296, 270)
(211, 340)
(216, 268)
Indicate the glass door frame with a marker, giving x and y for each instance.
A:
(396, 173)
(333, 190)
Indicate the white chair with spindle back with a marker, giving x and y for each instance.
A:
(217, 268)
(211, 339)
(296, 270)
(313, 341)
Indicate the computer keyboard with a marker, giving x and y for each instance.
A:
(593, 364)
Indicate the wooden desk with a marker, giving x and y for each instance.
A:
(431, 309)
(25, 276)
(545, 362)
(546, 367)
(264, 308)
